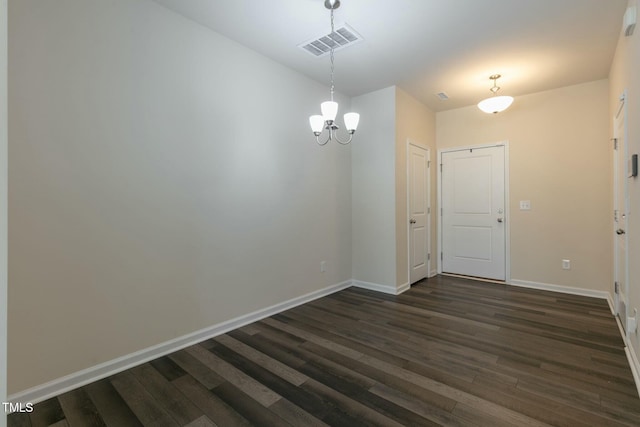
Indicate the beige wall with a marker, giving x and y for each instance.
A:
(625, 76)
(415, 122)
(560, 161)
(163, 179)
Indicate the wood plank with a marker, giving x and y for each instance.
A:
(251, 409)
(79, 409)
(146, 408)
(197, 369)
(203, 421)
(49, 412)
(165, 393)
(111, 406)
(213, 407)
(236, 377)
(280, 369)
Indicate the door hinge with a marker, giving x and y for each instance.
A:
(615, 143)
(440, 167)
(441, 212)
(616, 287)
(441, 256)
(428, 257)
(428, 210)
(428, 163)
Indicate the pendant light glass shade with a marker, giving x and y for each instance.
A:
(317, 123)
(351, 121)
(495, 104)
(329, 110)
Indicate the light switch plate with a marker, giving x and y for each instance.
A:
(525, 205)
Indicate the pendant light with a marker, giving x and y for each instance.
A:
(329, 108)
(495, 104)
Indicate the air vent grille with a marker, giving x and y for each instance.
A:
(342, 37)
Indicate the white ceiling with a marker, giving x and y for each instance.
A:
(430, 46)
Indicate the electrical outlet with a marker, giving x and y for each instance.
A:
(566, 264)
(525, 205)
(323, 266)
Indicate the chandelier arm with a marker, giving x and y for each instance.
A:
(325, 142)
(344, 142)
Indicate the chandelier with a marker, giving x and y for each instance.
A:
(329, 109)
(495, 104)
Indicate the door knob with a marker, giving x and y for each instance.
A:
(499, 219)
(620, 231)
(412, 221)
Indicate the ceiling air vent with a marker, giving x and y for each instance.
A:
(442, 96)
(342, 37)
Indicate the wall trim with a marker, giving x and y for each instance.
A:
(78, 379)
(385, 289)
(433, 273)
(562, 289)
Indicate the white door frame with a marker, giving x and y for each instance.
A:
(428, 188)
(507, 236)
(621, 114)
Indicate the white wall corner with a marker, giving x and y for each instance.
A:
(111, 367)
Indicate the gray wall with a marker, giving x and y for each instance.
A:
(163, 179)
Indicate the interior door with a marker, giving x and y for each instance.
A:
(418, 195)
(473, 212)
(621, 210)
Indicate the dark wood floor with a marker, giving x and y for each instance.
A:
(447, 352)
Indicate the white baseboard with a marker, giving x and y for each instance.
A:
(562, 289)
(111, 367)
(386, 289)
(611, 303)
(633, 363)
(433, 273)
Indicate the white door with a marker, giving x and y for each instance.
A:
(419, 210)
(620, 213)
(474, 212)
